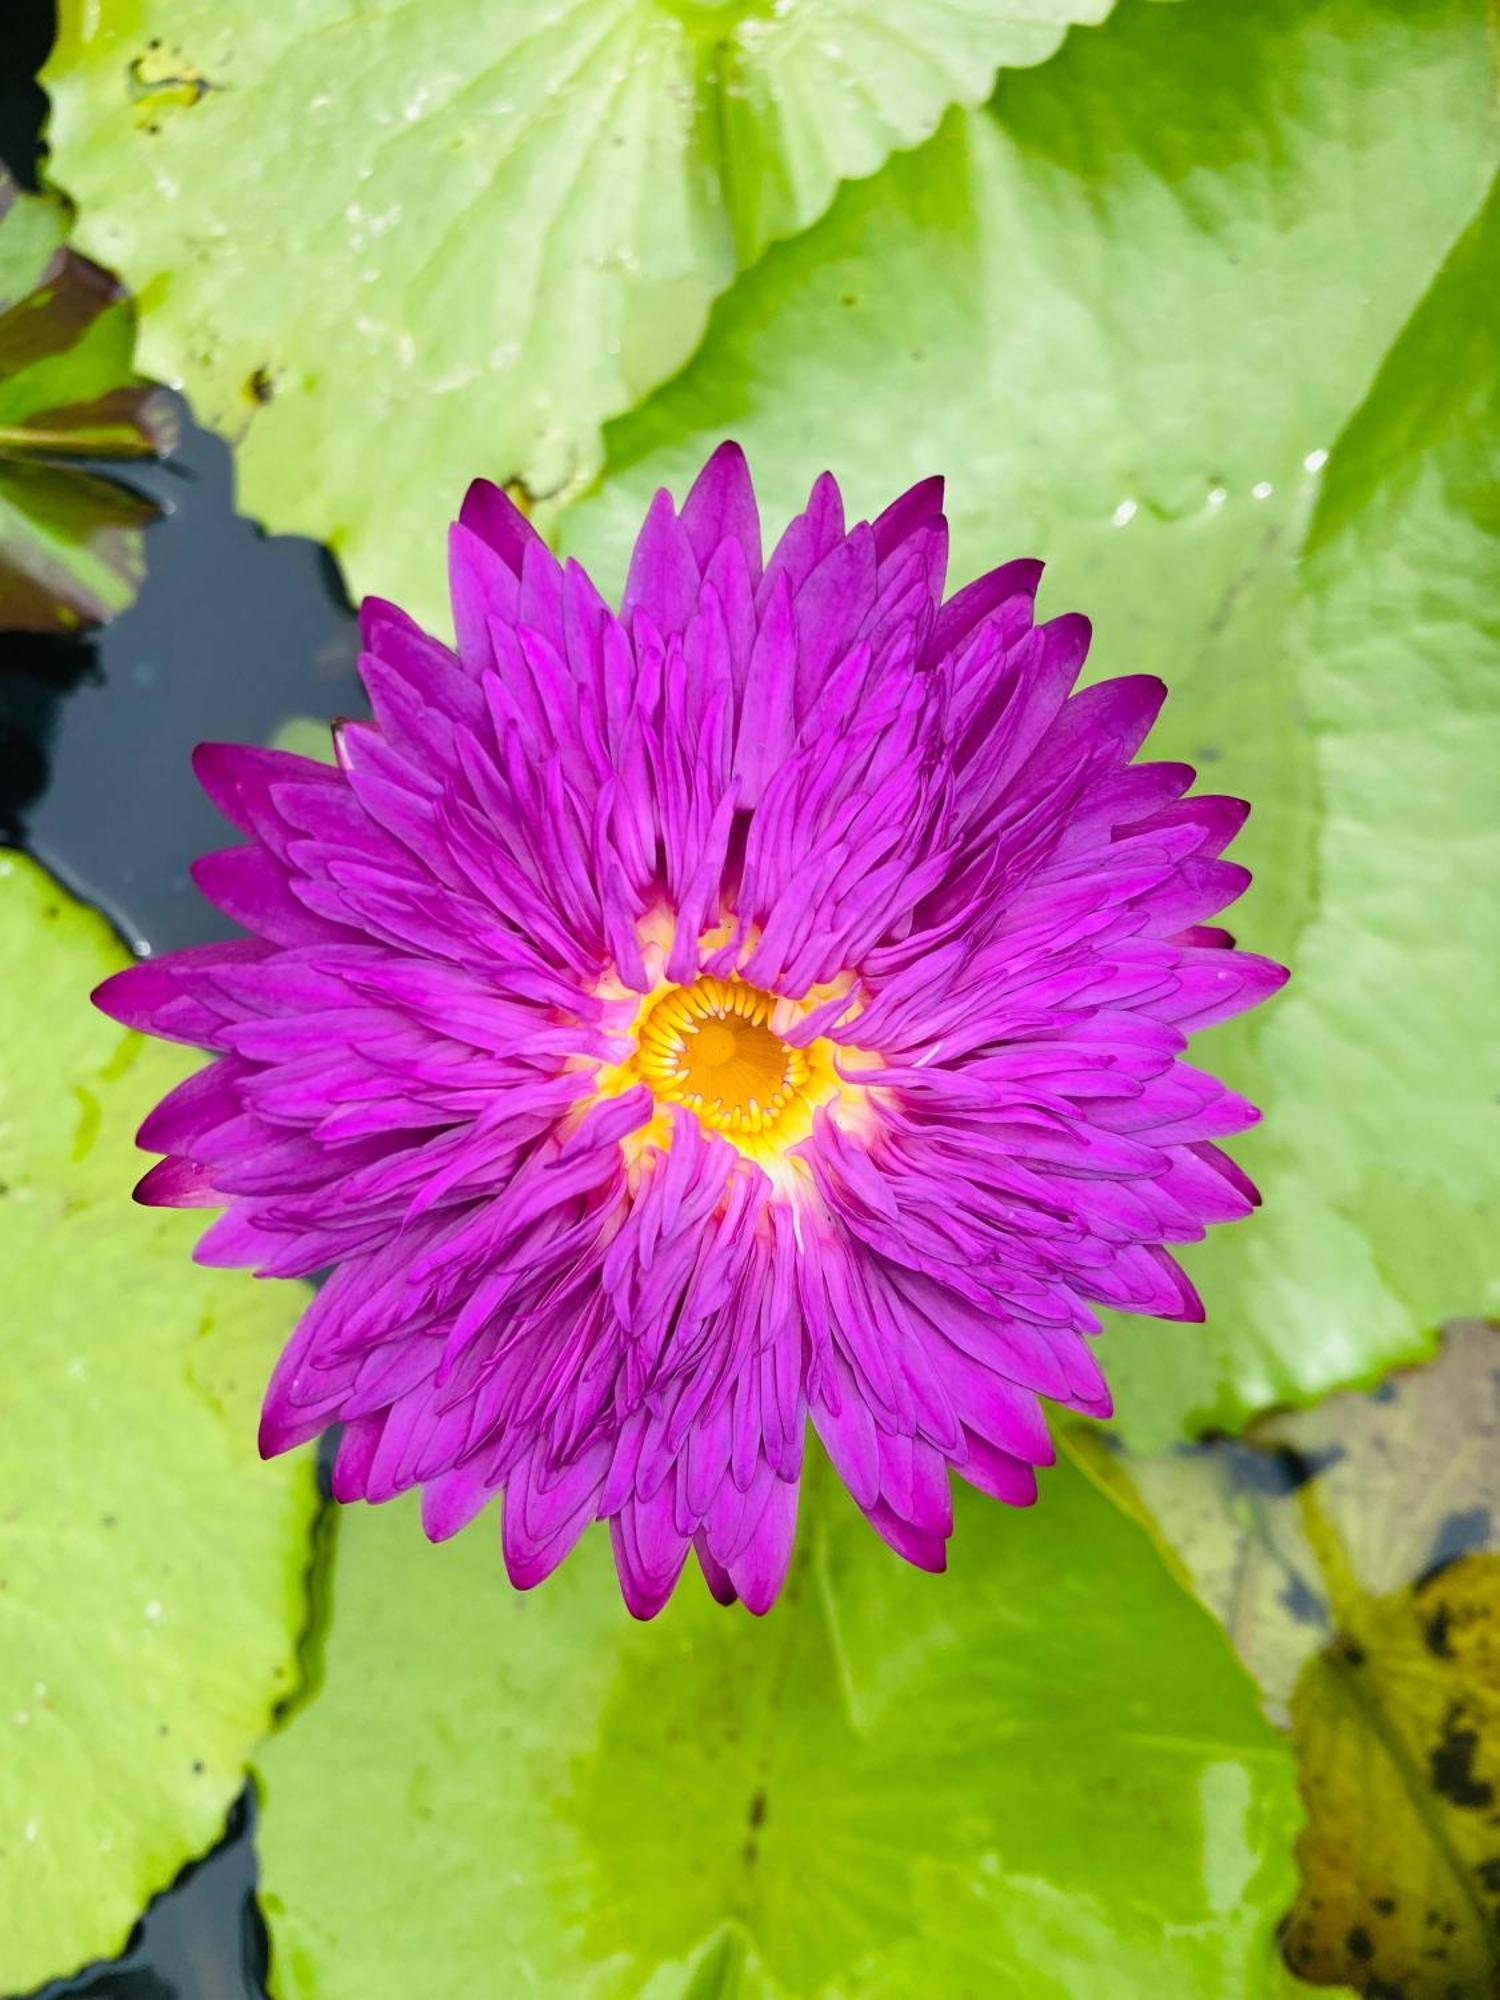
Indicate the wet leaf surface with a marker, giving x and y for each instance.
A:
(1043, 1773)
(71, 548)
(151, 1567)
(497, 225)
(1353, 1553)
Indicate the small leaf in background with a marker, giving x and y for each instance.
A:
(71, 548)
(1353, 1553)
(1045, 1775)
(304, 736)
(151, 1567)
(1150, 314)
(497, 226)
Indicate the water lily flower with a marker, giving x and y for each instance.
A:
(763, 1004)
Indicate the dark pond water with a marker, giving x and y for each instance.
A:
(233, 634)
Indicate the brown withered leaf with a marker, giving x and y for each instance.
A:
(1352, 1553)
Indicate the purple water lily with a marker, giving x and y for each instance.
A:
(764, 1003)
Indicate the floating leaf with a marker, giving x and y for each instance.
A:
(304, 736)
(493, 227)
(1353, 1552)
(1130, 310)
(151, 1568)
(1043, 1774)
(70, 541)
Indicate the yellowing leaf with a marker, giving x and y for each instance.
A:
(1397, 1724)
(1353, 1553)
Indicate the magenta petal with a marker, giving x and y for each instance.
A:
(721, 507)
(718, 1579)
(911, 1543)
(916, 508)
(358, 1444)
(490, 514)
(253, 887)
(534, 1548)
(178, 1183)
(996, 1472)
(664, 575)
(977, 600)
(238, 777)
(452, 1500)
(137, 995)
(759, 1570)
(649, 1554)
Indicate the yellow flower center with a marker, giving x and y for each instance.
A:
(711, 1047)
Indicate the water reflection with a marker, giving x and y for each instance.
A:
(232, 633)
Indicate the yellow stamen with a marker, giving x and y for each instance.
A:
(712, 1048)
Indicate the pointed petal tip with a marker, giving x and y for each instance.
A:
(222, 770)
(728, 456)
(448, 1506)
(132, 995)
(644, 1599)
(490, 514)
(377, 614)
(1192, 1311)
(270, 1439)
(826, 492)
(476, 497)
(279, 1433)
(208, 759)
(108, 997)
(720, 1584)
(176, 1182)
(483, 503)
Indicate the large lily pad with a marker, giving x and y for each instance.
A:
(392, 247)
(1353, 1553)
(1043, 1774)
(1150, 313)
(71, 549)
(151, 1568)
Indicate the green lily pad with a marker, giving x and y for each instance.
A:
(1148, 314)
(388, 249)
(1353, 1554)
(304, 736)
(151, 1567)
(1043, 1774)
(71, 550)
